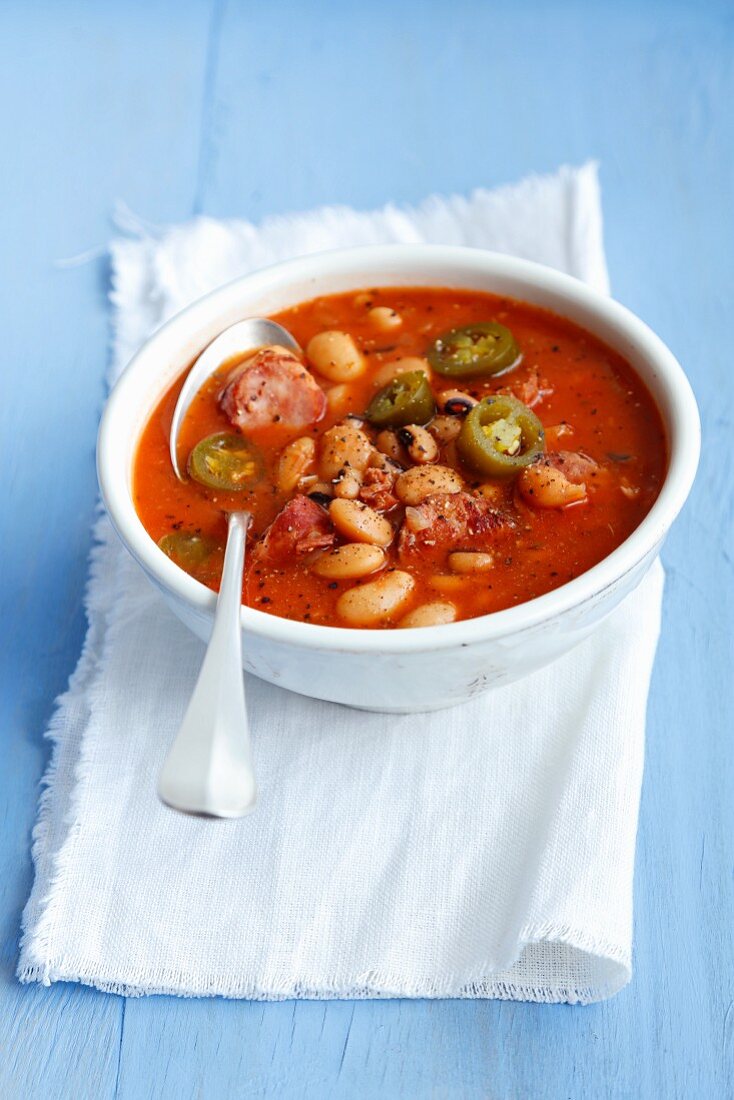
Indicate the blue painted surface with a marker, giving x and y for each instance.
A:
(242, 109)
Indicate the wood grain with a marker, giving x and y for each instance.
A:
(240, 109)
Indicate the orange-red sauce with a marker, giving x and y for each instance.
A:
(595, 394)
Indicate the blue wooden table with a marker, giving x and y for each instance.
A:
(248, 109)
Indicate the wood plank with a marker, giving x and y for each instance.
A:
(99, 102)
(303, 104)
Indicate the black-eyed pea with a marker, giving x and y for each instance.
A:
(430, 614)
(414, 485)
(387, 443)
(347, 484)
(335, 356)
(360, 523)
(470, 561)
(294, 463)
(374, 602)
(320, 491)
(444, 429)
(456, 402)
(422, 448)
(344, 445)
(323, 499)
(349, 562)
(380, 461)
(384, 318)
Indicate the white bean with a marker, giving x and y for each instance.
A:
(348, 484)
(444, 429)
(344, 445)
(371, 603)
(395, 367)
(448, 584)
(470, 561)
(341, 399)
(363, 300)
(294, 462)
(420, 482)
(387, 443)
(384, 318)
(360, 523)
(544, 486)
(349, 562)
(335, 355)
(430, 614)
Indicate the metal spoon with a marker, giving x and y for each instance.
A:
(249, 335)
(208, 769)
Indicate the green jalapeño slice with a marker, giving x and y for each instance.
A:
(474, 351)
(500, 436)
(225, 461)
(407, 400)
(186, 549)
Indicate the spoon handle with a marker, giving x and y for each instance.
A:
(208, 769)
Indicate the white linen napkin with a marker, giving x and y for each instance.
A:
(484, 851)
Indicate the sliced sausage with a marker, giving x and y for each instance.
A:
(299, 528)
(273, 387)
(451, 521)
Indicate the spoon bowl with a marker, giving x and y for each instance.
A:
(238, 339)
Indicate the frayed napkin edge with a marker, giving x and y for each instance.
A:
(485, 983)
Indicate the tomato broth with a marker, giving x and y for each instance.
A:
(507, 538)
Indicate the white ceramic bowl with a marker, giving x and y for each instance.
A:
(402, 670)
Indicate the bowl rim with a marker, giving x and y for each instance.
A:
(682, 427)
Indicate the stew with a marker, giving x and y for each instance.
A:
(435, 455)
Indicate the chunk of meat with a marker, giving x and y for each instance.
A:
(274, 387)
(451, 521)
(556, 432)
(299, 528)
(531, 390)
(557, 479)
(377, 489)
(576, 466)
